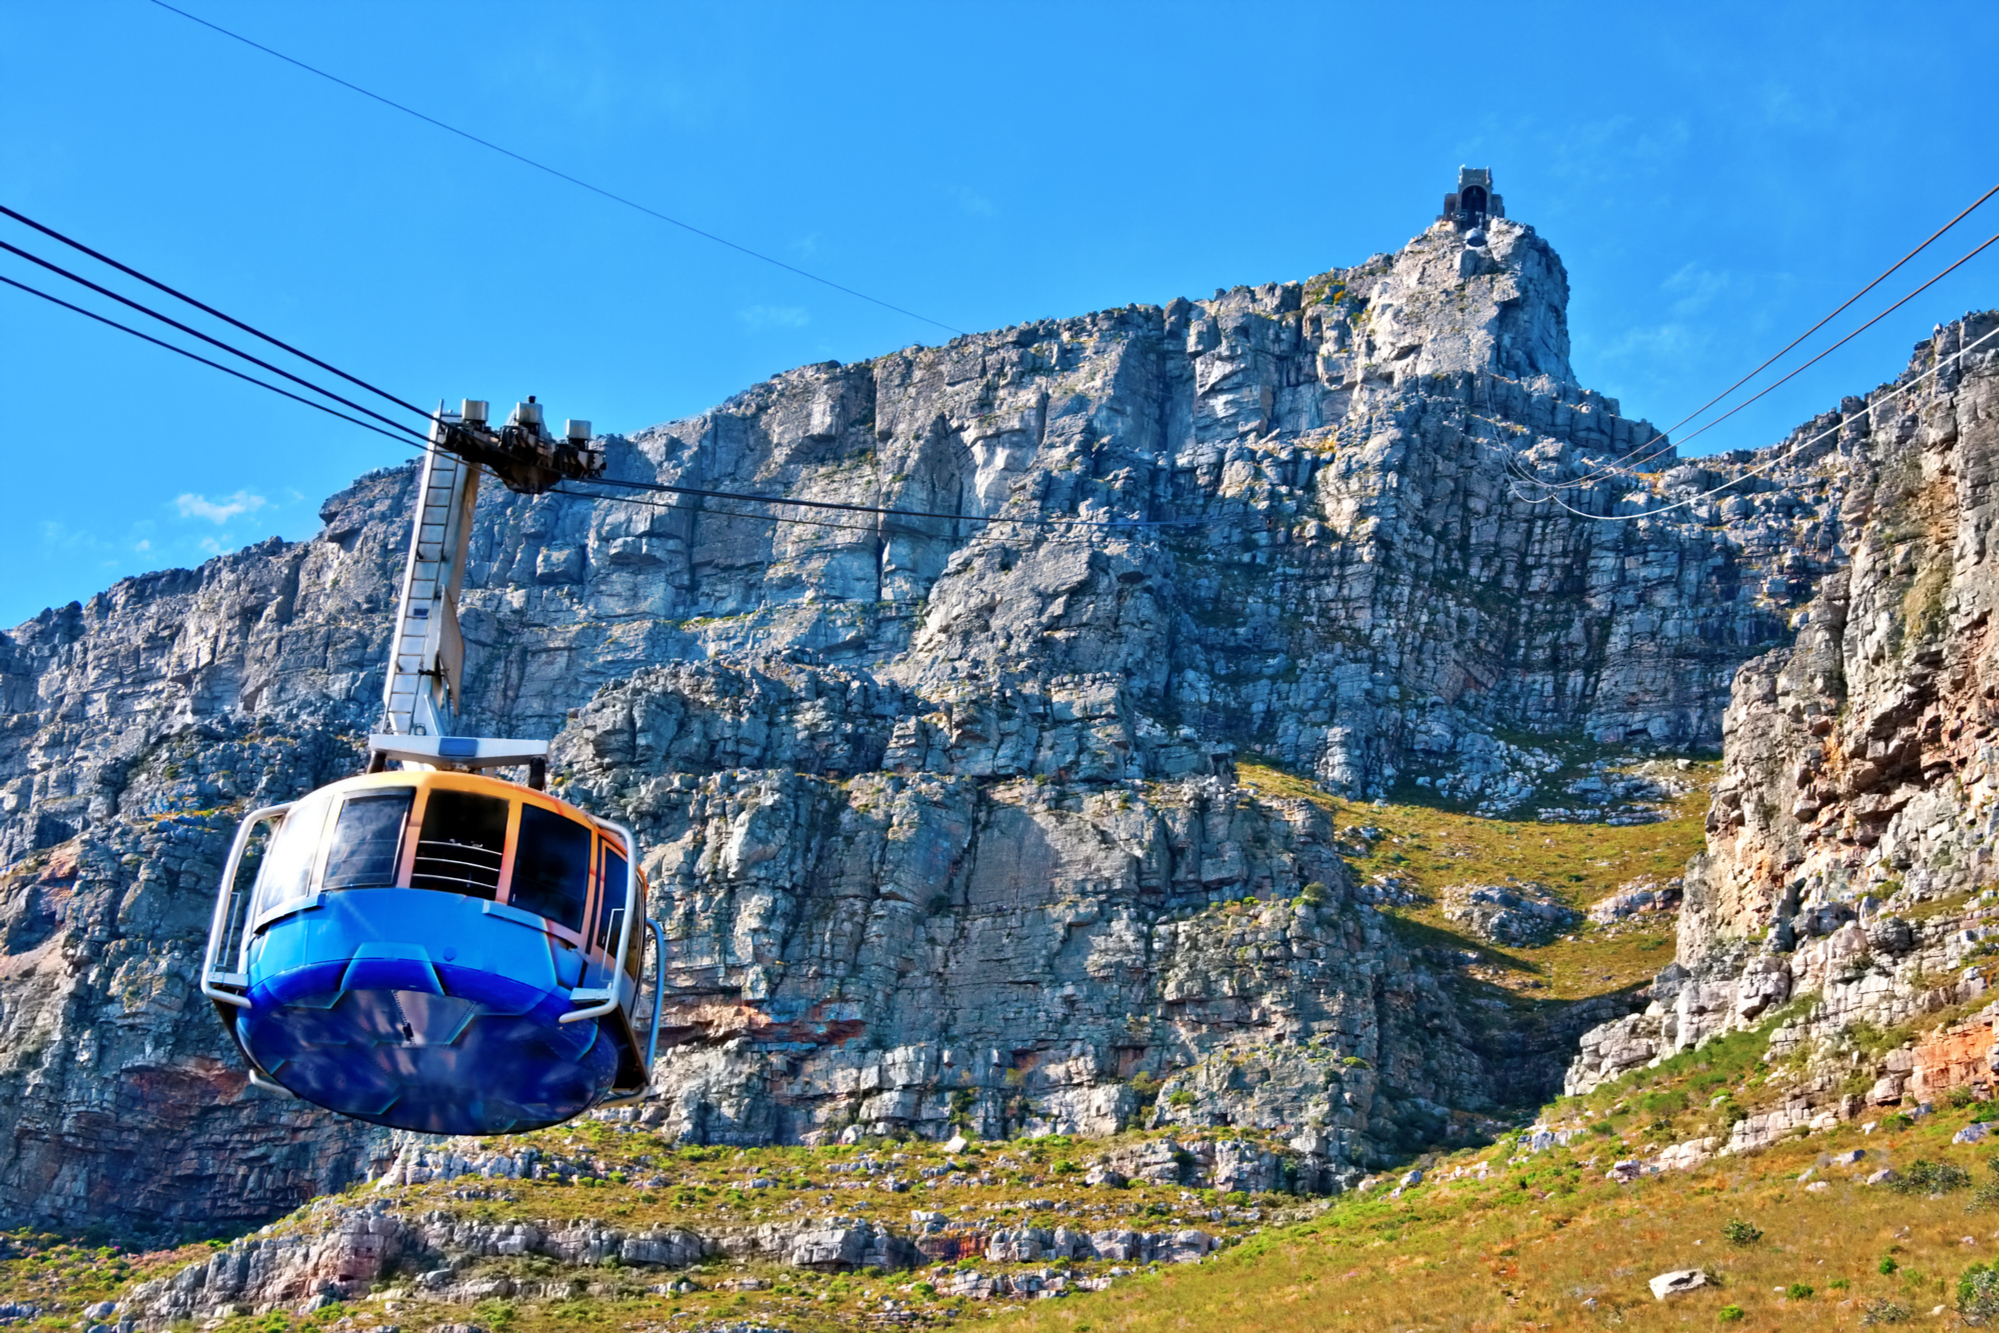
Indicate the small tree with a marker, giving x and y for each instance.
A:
(1738, 1232)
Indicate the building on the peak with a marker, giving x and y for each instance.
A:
(1474, 200)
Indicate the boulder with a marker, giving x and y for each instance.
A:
(1677, 1283)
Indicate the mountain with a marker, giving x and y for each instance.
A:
(944, 814)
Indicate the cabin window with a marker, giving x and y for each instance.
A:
(289, 861)
(366, 839)
(463, 841)
(551, 867)
(611, 900)
(635, 953)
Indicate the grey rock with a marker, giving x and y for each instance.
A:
(1521, 914)
(1677, 1283)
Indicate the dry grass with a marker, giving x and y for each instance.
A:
(1500, 1256)
(1433, 848)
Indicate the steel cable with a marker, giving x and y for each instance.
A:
(127, 269)
(1663, 433)
(1776, 459)
(559, 175)
(193, 356)
(171, 322)
(1884, 314)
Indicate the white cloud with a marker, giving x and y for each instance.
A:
(61, 537)
(757, 318)
(1695, 288)
(219, 511)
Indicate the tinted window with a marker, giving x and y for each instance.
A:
(463, 839)
(551, 867)
(635, 953)
(366, 837)
(289, 862)
(611, 903)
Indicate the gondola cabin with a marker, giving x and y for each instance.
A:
(435, 951)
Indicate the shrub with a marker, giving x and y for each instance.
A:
(1738, 1232)
(1888, 1265)
(1798, 1291)
(1979, 1295)
(1883, 1312)
(1181, 1098)
(924, 1289)
(1729, 1314)
(1931, 1178)
(1987, 1195)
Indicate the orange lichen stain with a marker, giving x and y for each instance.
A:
(1961, 1054)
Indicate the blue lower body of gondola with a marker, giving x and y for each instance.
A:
(427, 1011)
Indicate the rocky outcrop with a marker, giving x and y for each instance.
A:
(1887, 978)
(921, 788)
(1858, 777)
(1860, 762)
(1518, 914)
(340, 1252)
(928, 951)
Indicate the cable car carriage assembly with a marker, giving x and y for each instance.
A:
(432, 948)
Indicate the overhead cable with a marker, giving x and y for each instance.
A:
(1663, 433)
(192, 356)
(720, 513)
(82, 281)
(1884, 314)
(102, 258)
(418, 439)
(899, 513)
(1776, 458)
(559, 175)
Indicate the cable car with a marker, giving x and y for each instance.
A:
(431, 948)
(437, 951)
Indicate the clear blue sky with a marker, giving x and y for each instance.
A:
(1716, 177)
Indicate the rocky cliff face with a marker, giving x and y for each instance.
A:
(940, 809)
(1859, 760)
(1850, 842)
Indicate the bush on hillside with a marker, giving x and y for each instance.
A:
(1738, 1232)
(1979, 1295)
(1932, 1178)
